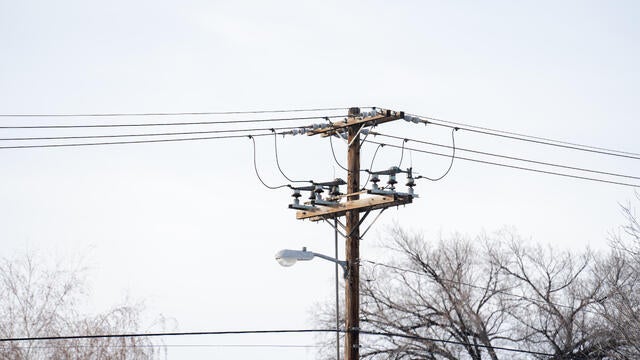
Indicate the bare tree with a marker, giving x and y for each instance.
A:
(37, 301)
(436, 293)
(464, 299)
(621, 273)
(559, 294)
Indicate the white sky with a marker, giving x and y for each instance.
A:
(187, 226)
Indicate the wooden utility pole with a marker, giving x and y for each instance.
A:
(352, 245)
(322, 209)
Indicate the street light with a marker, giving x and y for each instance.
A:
(288, 258)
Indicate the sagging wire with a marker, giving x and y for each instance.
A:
(333, 152)
(275, 146)
(373, 158)
(402, 153)
(453, 156)
(255, 167)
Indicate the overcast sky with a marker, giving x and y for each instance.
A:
(187, 227)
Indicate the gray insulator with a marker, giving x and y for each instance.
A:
(410, 182)
(413, 119)
(392, 179)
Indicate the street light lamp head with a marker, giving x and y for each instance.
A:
(288, 257)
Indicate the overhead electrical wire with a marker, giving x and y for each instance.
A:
(513, 166)
(128, 142)
(162, 334)
(255, 167)
(453, 157)
(403, 147)
(174, 113)
(453, 342)
(114, 346)
(245, 332)
(527, 136)
(591, 149)
(275, 148)
(181, 123)
(404, 141)
(333, 152)
(373, 158)
(512, 157)
(145, 134)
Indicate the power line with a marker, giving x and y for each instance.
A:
(161, 334)
(245, 332)
(373, 158)
(514, 166)
(167, 124)
(173, 113)
(520, 135)
(513, 157)
(585, 148)
(145, 134)
(293, 346)
(416, 337)
(255, 167)
(129, 142)
(453, 157)
(404, 141)
(333, 152)
(275, 148)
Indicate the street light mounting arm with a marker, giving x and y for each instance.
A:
(343, 264)
(288, 257)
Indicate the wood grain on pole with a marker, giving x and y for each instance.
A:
(352, 246)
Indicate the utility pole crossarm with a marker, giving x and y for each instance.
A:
(366, 204)
(358, 122)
